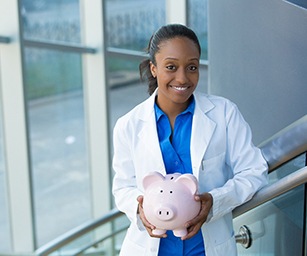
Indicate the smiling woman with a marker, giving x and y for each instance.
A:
(177, 130)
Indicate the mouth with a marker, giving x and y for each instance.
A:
(180, 88)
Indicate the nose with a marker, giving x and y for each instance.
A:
(165, 213)
(181, 76)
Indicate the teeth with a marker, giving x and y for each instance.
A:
(179, 88)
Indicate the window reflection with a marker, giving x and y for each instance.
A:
(51, 20)
(288, 168)
(198, 21)
(59, 157)
(130, 23)
(277, 226)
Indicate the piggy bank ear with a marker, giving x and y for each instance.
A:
(151, 178)
(172, 176)
(189, 181)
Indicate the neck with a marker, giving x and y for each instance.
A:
(172, 110)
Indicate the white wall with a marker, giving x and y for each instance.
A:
(258, 59)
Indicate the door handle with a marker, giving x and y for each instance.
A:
(244, 237)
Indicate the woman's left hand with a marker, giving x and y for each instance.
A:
(194, 225)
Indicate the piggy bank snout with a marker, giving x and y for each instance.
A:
(165, 213)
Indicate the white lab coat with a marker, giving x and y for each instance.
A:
(224, 160)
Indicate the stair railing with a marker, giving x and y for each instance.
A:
(279, 149)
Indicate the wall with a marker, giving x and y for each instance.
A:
(258, 59)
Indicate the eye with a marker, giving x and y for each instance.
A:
(171, 191)
(161, 191)
(193, 68)
(170, 67)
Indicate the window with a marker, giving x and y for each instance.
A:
(56, 119)
(198, 21)
(130, 25)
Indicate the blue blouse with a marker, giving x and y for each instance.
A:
(175, 148)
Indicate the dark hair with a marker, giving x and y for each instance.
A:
(162, 34)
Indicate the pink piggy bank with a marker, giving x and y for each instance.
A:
(169, 201)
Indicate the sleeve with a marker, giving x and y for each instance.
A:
(124, 187)
(245, 161)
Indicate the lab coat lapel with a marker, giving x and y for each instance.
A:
(149, 136)
(202, 131)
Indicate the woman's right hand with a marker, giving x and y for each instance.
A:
(149, 227)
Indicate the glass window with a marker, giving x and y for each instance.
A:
(59, 157)
(277, 227)
(198, 21)
(56, 20)
(56, 123)
(130, 23)
(125, 88)
(4, 216)
(288, 168)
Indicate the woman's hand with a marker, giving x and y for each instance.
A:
(149, 227)
(194, 225)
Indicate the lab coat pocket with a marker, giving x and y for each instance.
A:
(212, 173)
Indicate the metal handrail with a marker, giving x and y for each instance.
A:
(95, 243)
(286, 144)
(279, 149)
(77, 232)
(269, 192)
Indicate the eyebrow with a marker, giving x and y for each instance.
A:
(172, 58)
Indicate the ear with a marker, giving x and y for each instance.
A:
(153, 69)
(151, 178)
(189, 181)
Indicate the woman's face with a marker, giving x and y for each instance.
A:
(176, 70)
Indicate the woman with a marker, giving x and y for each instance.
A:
(179, 130)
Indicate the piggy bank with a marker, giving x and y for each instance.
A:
(169, 201)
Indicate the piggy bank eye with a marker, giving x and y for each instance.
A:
(171, 191)
(172, 178)
(161, 191)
